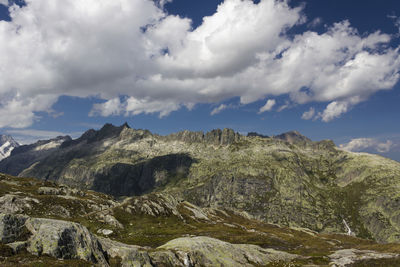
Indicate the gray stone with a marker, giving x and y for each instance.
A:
(64, 240)
(346, 257)
(10, 203)
(130, 255)
(206, 251)
(12, 227)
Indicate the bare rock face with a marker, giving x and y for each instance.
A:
(214, 137)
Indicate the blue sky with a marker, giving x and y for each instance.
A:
(328, 69)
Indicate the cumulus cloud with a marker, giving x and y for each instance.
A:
(360, 144)
(308, 115)
(133, 106)
(268, 106)
(334, 110)
(4, 2)
(138, 59)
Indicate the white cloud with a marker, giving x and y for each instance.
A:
(361, 144)
(333, 110)
(4, 2)
(268, 106)
(218, 109)
(283, 107)
(308, 115)
(133, 106)
(162, 3)
(315, 22)
(159, 64)
(109, 108)
(396, 21)
(384, 147)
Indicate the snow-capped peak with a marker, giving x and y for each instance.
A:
(7, 144)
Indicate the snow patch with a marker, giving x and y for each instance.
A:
(50, 145)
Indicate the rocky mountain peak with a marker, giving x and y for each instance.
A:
(293, 137)
(90, 136)
(8, 138)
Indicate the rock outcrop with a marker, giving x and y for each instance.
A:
(206, 251)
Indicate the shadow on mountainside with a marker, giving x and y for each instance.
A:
(122, 179)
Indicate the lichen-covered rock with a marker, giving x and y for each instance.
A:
(169, 258)
(153, 205)
(12, 228)
(51, 191)
(10, 203)
(130, 255)
(346, 257)
(206, 251)
(64, 240)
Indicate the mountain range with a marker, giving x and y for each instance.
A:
(285, 179)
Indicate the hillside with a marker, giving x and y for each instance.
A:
(287, 180)
(45, 224)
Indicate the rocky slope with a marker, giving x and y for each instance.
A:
(45, 224)
(7, 144)
(287, 179)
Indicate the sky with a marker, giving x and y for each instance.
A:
(328, 69)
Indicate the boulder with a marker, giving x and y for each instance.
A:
(10, 203)
(346, 257)
(64, 240)
(130, 255)
(206, 251)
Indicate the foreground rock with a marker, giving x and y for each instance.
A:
(68, 240)
(206, 251)
(347, 257)
(59, 239)
(64, 240)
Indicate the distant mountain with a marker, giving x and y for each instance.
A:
(7, 144)
(286, 179)
(24, 156)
